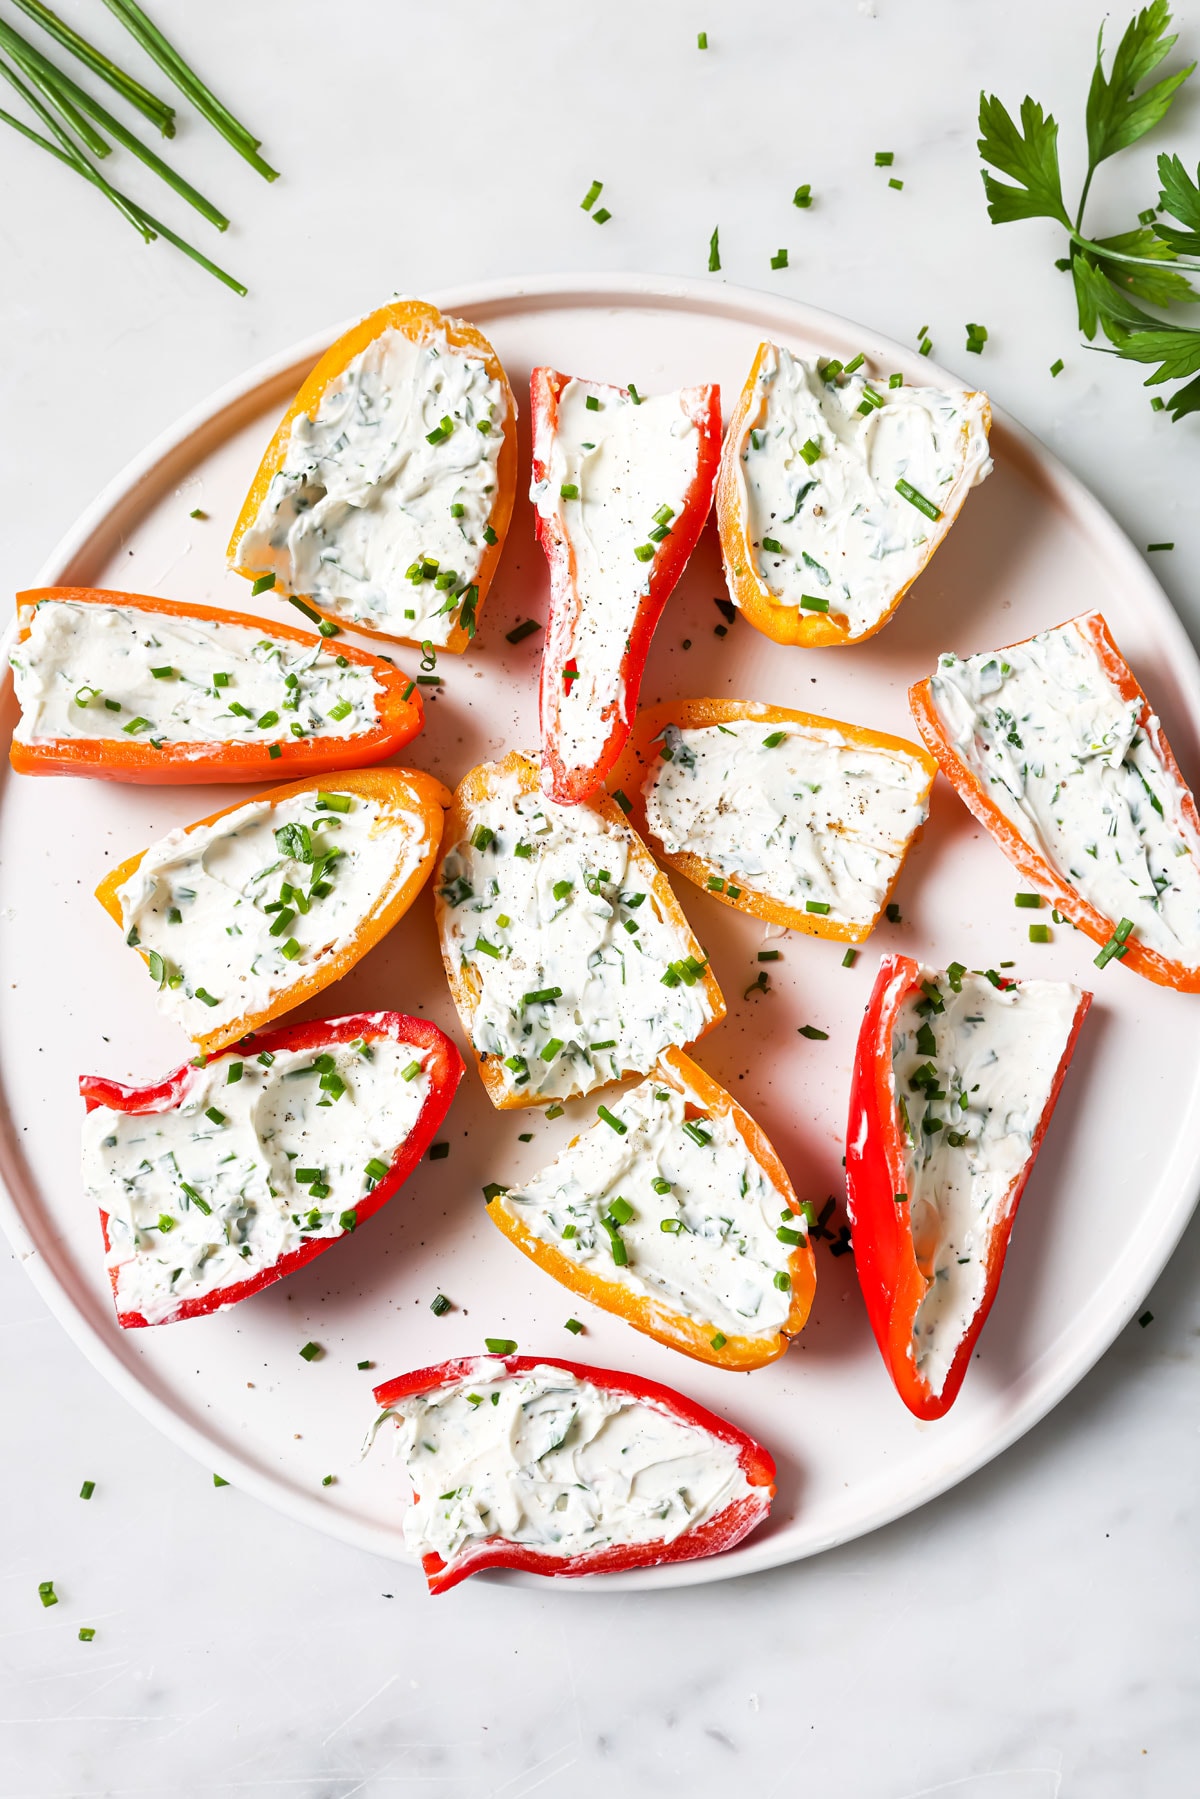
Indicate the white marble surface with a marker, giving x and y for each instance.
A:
(1030, 1635)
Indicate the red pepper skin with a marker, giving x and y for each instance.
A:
(891, 1281)
(444, 1066)
(719, 1533)
(570, 784)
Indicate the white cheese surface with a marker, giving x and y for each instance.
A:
(818, 463)
(247, 1167)
(706, 1246)
(362, 495)
(553, 1462)
(800, 815)
(618, 473)
(971, 1084)
(1062, 756)
(240, 909)
(553, 904)
(87, 670)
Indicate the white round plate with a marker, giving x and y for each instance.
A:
(1115, 1182)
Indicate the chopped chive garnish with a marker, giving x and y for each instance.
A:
(896, 183)
(813, 1034)
(661, 1184)
(263, 584)
(715, 884)
(908, 492)
(694, 1128)
(375, 1169)
(290, 950)
(812, 602)
(1160, 546)
(499, 1345)
(622, 800)
(411, 1072)
(1116, 945)
(719, 1341)
(819, 906)
(46, 1592)
(785, 1234)
(850, 958)
(541, 996)
(615, 1124)
(163, 674)
(701, 44)
(525, 629)
(439, 1305)
(770, 955)
(779, 260)
(312, 1352)
(562, 888)
(481, 837)
(569, 490)
(136, 724)
(1031, 901)
(361, 1365)
(634, 395)
(574, 1326)
(592, 195)
(1039, 933)
(87, 1489)
(439, 1151)
(551, 1049)
(670, 1227)
(601, 216)
(811, 450)
(207, 998)
(214, 1116)
(644, 552)
(773, 740)
(555, 1111)
(87, 1633)
(803, 195)
(714, 251)
(884, 159)
(440, 432)
(772, 546)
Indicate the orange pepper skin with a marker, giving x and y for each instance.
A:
(642, 756)
(722, 1531)
(1034, 868)
(400, 791)
(748, 591)
(443, 1066)
(400, 715)
(569, 783)
(414, 318)
(892, 1283)
(472, 791)
(653, 1317)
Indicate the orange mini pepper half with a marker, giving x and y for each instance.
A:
(1158, 786)
(818, 629)
(411, 805)
(475, 563)
(725, 881)
(477, 934)
(639, 1303)
(147, 758)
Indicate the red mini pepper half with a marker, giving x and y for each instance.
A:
(578, 654)
(877, 1185)
(724, 1530)
(442, 1064)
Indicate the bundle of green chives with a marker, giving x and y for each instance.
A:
(71, 115)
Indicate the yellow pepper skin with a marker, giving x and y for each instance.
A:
(642, 755)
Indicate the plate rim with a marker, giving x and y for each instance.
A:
(1115, 1301)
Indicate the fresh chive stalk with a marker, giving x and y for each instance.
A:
(149, 105)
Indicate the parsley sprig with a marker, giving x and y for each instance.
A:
(1155, 260)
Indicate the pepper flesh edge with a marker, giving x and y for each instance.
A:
(641, 756)
(723, 1531)
(652, 1316)
(401, 791)
(443, 1065)
(471, 791)
(191, 762)
(748, 591)
(413, 318)
(1160, 969)
(892, 1284)
(571, 785)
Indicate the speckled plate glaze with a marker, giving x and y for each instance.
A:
(1111, 1192)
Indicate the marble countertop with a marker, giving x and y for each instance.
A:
(1031, 1634)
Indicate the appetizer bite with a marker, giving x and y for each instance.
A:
(385, 494)
(129, 688)
(249, 912)
(559, 1469)
(568, 957)
(674, 1212)
(225, 1178)
(835, 490)
(791, 817)
(622, 484)
(1053, 746)
(955, 1080)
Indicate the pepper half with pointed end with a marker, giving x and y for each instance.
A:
(676, 1214)
(799, 820)
(1054, 747)
(125, 687)
(564, 1470)
(622, 484)
(232, 1173)
(567, 954)
(385, 495)
(835, 490)
(956, 1077)
(253, 910)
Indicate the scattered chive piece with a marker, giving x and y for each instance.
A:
(218, 1482)
(601, 216)
(850, 958)
(811, 603)
(772, 546)
(893, 913)
(499, 1345)
(263, 584)
(894, 182)
(162, 674)
(327, 1480)
(701, 44)
(773, 740)
(803, 196)
(813, 1034)
(615, 1124)
(361, 1365)
(592, 195)
(714, 251)
(439, 1305)
(520, 632)
(481, 837)
(375, 1169)
(694, 1128)
(1145, 1319)
(1032, 901)
(770, 955)
(87, 1489)
(896, 380)
(86, 1633)
(634, 395)
(1157, 403)
(1056, 368)
(819, 906)
(1160, 546)
(569, 491)
(779, 260)
(573, 1324)
(312, 1352)
(555, 1111)
(977, 336)
(718, 1342)
(884, 159)
(1039, 933)
(541, 996)
(1116, 945)
(196, 512)
(811, 450)
(908, 492)
(622, 800)
(46, 1592)
(441, 431)
(439, 1151)
(492, 1191)
(214, 1116)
